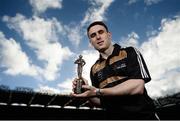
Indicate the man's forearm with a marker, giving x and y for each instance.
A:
(129, 87)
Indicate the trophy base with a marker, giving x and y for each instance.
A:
(78, 88)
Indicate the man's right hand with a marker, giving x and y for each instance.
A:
(74, 83)
(90, 91)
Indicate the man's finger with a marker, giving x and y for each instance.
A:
(87, 87)
(78, 95)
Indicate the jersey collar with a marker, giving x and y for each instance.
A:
(114, 53)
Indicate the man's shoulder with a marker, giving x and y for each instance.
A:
(128, 48)
(96, 62)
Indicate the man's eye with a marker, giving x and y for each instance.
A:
(93, 35)
(101, 32)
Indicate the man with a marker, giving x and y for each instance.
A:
(118, 78)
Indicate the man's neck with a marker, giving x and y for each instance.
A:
(105, 54)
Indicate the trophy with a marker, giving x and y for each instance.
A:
(80, 62)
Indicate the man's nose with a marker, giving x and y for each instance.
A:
(98, 36)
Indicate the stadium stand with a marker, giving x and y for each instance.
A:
(24, 103)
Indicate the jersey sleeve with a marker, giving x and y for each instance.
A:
(136, 66)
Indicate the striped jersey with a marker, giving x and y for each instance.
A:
(121, 65)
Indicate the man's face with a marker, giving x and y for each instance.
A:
(99, 37)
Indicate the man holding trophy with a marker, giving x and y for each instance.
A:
(118, 78)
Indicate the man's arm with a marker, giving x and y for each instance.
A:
(129, 87)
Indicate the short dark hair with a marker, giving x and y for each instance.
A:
(97, 23)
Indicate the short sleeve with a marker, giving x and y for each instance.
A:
(136, 66)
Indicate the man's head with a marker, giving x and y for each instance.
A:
(97, 23)
(99, 35)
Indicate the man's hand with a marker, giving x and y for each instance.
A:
(74, 83)
(90, 91)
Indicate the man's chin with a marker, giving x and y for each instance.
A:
(102, 50)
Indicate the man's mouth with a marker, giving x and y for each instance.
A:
(100, 42)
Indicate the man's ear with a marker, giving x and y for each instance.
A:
(110, 35)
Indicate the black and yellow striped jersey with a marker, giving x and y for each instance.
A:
(121, 65)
